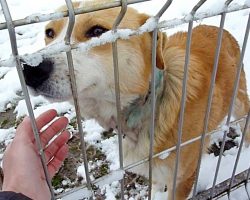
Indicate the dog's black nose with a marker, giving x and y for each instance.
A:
(35, 76)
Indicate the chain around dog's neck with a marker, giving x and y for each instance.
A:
(140, 109)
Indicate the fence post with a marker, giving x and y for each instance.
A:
(153, 96)
(74, 90)
(12, 35)
(117, 88)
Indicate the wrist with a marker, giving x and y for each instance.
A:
(13, 195)
(7, 187)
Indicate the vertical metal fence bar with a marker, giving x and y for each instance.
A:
(248, 174)
(239, 152)
(183, 104)
(153, 96)
(210, 99)
(227, 3)
(13, 41)
(117, 88)
(197, 6)
(74, 89)
(248, 195)
(246, 183)
(235, 90)
(152, 119)
(184, 94)
(164, 8)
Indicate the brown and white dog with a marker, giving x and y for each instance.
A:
(96, 87)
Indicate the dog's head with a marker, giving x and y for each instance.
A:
(94, 69)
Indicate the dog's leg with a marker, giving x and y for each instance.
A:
(240, 111)
(242, 105)
(183, 188)
(186, 172)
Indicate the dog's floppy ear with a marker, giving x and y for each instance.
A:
(161, 40)
(159, 51)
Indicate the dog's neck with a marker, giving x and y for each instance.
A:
(137, 114)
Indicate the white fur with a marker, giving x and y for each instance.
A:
(96, 93)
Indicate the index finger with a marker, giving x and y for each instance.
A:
(45, 118)
(41, 121)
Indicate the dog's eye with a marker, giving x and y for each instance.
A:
(50, 33)
(96, 31)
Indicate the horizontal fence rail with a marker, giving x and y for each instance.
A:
(118, 20)
(121, 34)
(58, 15)
(223, 188)
(152, 25)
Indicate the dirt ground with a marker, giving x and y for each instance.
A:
(67, 177)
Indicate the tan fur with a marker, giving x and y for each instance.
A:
(135, 78)
(200, 69)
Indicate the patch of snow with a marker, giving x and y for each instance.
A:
(209, 163)
(150, 25)
(78, 194)
(93, 131)
(81, 173)
(7, 135)
(40, 105)
(61, 108)
(239, 194)
(59, 190)
(110, 148)
(111, 190)
(21, 108)
(112, 177)
(164, 155)
(65, 182)
(211, 6)
(225, 128)
(36, 58)
(42, 17)
(3, 71)
(9, 86)
(161, 195)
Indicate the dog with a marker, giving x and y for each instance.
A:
(96, 88)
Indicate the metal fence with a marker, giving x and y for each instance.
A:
(85, 191)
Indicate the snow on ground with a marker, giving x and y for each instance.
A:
(30, 39)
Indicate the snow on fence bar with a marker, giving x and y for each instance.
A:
(152, 25)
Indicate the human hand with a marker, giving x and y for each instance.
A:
(22, 168)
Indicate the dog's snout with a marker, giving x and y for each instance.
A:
(35, 76)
